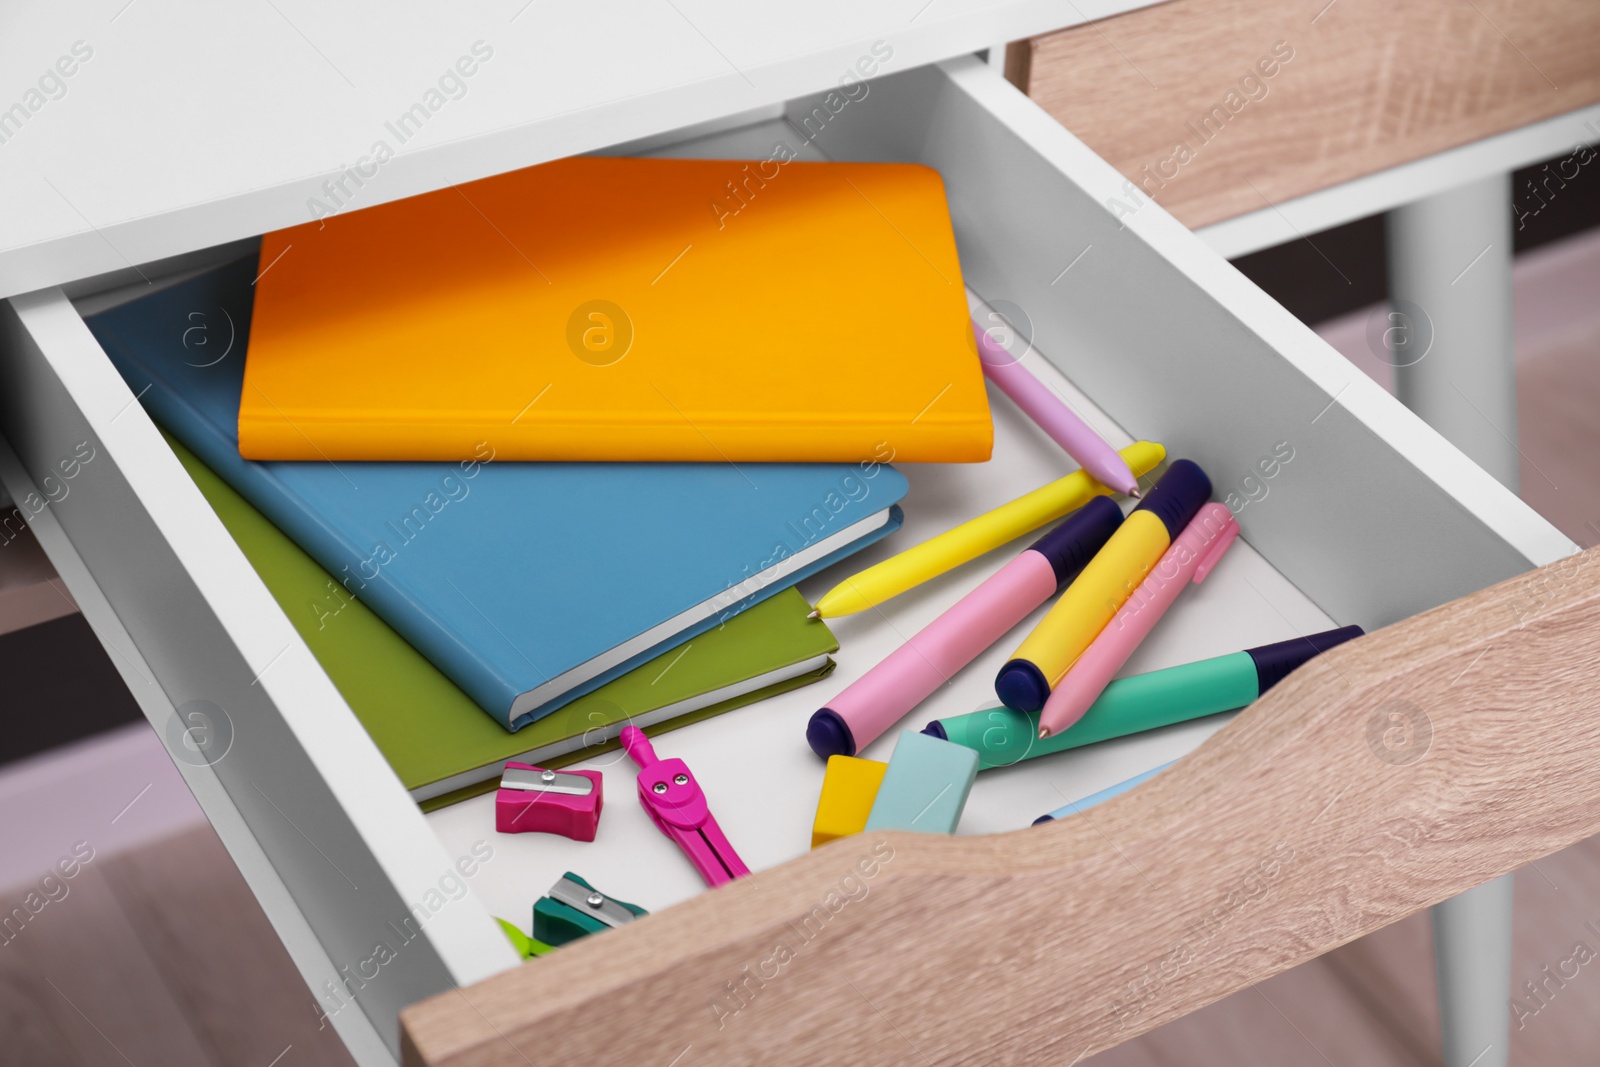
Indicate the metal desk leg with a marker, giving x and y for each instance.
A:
(1472, 956)
(1450, 319)
(1450, 332)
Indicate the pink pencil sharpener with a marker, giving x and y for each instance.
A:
(534, 800)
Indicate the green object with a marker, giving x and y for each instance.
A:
(1001, 736)
(925, 786)
(526, 946)
(441, 744)
(560, 923)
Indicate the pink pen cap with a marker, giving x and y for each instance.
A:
(534, 800)
(911, 673)
(1191, 557)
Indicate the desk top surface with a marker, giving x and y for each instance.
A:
(131, 130)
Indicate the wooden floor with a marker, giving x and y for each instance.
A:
(157, 956)
(160, 956)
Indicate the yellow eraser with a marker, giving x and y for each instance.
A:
(848, 790)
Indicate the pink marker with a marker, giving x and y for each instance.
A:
(677, 805)
(908, 675)
(1190, 558)
(1052, 415)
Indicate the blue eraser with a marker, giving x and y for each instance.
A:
(925, 787)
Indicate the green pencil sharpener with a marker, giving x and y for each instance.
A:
(573, 908)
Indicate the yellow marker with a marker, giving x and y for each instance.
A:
(1102, 587)
(974, 537)
(848, 790)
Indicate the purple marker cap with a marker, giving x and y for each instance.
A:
(1277, 661)
(1178, 496)
(1070, 546)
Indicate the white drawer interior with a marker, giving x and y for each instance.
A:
(761, 777)
(1373, 519)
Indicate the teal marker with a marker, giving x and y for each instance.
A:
(1002, 736)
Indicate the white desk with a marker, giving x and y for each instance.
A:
(185, 124)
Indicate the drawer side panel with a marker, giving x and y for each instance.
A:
(1376, 517)
(300, 775)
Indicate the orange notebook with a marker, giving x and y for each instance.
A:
(623, 309)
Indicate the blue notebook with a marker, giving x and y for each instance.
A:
(529, 584)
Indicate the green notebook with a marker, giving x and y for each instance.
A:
(442, 745)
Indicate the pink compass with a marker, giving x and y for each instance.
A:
(677, 805)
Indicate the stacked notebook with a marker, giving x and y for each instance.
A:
(440, 745)
(624, 309)
(557, 445)
(528, 584)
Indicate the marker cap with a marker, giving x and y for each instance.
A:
(1178, 495)
(1071, 545)
(1021, 686)
(829, 735)
(1275, 662)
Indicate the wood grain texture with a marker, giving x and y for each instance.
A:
(1387, 775)
(155, 956)
(192, 912)
(1374, 1001)
(95, 1017)
(1372, 84)
(1308, 1016)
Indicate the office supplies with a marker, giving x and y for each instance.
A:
(529, 584)
(925, 785)
(573, 908)
(527, 947)
(1095, 595)
(1192, 556)
(695, 336)
(677, 805)
(911, 673)
(1052, 415)
(849, 787)
(538, 800)
(439, 743)
(959, 544)
(1104, 795)
(1001, 736)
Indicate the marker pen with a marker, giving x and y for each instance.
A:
(1142, 702)
(1024, 683)
(1198, 549)
(908, 675)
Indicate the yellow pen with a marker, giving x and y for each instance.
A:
(974, 537)
(1075, 620)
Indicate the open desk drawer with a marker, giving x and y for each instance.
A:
(1375, 519)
